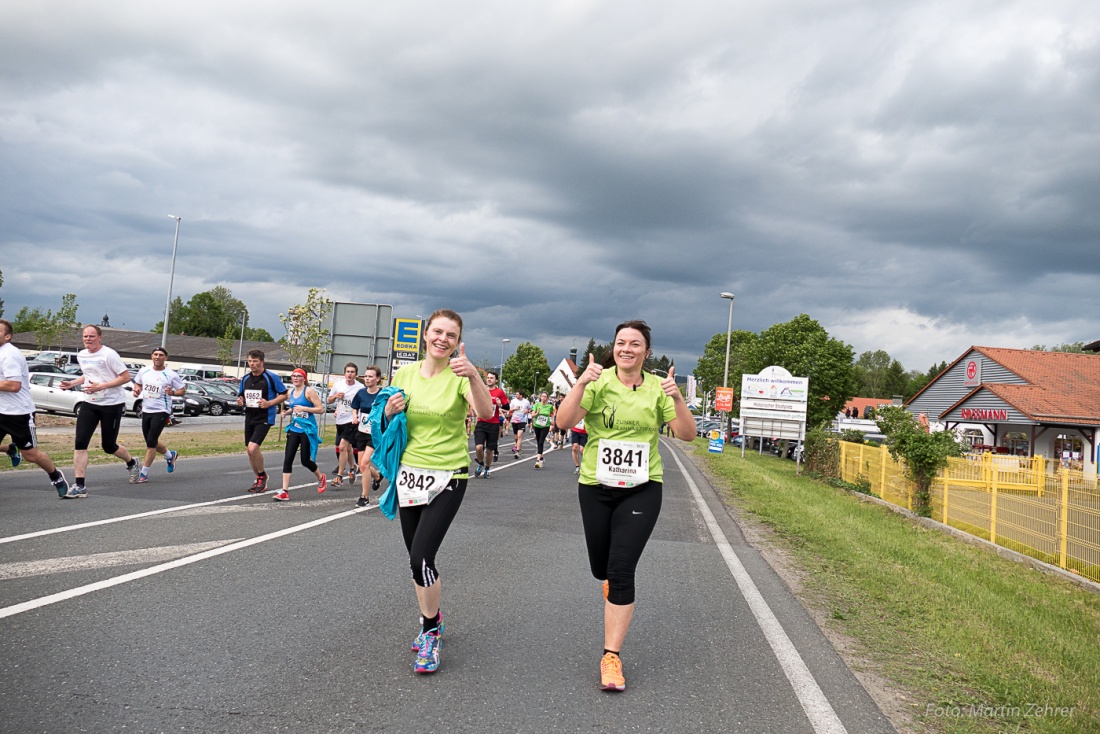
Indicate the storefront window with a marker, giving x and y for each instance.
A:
(1067, 450)
(973, 439)
(1016, 443)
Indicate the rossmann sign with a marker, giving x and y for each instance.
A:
(983, 414)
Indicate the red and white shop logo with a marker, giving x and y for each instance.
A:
(983, 414)
(971, 370)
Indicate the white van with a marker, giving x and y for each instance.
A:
(201, 372)
(58, 359)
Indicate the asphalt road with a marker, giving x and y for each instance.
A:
(187, 604)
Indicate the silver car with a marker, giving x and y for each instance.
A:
(50, 397)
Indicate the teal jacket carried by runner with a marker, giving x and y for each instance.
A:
(390, 436)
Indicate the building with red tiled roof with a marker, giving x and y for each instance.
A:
(1020, 401)
(862, 404)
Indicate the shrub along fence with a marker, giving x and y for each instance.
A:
(1021, 503)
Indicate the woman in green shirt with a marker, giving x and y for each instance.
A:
(435, 465)
(621, 475)
(542, 418)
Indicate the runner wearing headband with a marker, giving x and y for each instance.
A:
(302, 406)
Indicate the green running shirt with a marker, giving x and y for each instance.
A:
(621, 413)
(435, 412)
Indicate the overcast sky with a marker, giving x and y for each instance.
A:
(917, 176)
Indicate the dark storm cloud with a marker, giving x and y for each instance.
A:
(916, 176)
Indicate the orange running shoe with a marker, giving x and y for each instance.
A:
(611, 673)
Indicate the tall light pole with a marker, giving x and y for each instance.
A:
(502, 343)
(726, 376)
(240, 349)
(171, 278)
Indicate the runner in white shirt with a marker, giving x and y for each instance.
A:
(520, 406)
(105, 400)
(17, 411)
(341, 394)
(155, 386)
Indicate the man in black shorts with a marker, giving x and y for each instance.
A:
(17, 412)
(103, 375)
(342, 393)
(260, 391)
(486, 433)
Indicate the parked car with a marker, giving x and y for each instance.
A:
(50, 397)
(45, 367)
(201, 372)
(220, 397)
(58, 359)
(703, 427)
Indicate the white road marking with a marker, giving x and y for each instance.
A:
(139, 515)
(23, 569)
(818, 709)
(177, 563)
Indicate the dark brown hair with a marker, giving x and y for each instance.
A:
(636, 324)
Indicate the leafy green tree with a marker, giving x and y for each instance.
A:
(258, 334)
(527, 368)
(598, 351)
(1074, 347)
(27, 319)
(306, 338)
(869, 372)
(805, 349)
(226, 344)
(896, 380)
(51, 327)
(922, 453)
(711, 366)
(659, 365)
(211, 313)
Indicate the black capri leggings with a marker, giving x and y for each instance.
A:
(540, 438)
(107, 417)
(297, 442)
(424, 527)
(617, 526)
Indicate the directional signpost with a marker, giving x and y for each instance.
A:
(773, 405)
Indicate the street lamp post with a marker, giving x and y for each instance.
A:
(536, 389)
(240, 349)
(171, 278)
(502, 343)
(726, 376)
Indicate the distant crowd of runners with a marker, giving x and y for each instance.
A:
(427, 413)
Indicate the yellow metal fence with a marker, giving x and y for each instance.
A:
(1026, 504)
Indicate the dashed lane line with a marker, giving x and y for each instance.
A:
(25, 569)
(139, 515)
(44, 601)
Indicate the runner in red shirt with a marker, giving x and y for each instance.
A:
(486, 433)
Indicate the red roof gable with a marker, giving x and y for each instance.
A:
(1064, 386)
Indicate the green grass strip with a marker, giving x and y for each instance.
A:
(982, 644)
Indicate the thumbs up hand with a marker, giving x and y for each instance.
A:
(669, 383)
(591, 372)
(461, 365)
